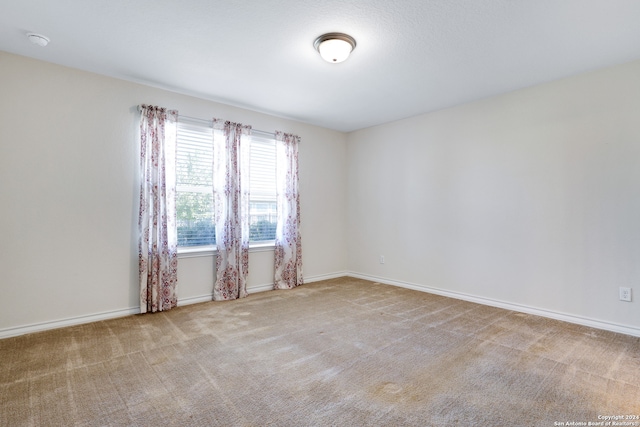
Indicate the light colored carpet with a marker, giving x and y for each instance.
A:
(343, 352)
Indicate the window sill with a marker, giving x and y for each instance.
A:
(262, 247)
(196, 252)
(209, 251)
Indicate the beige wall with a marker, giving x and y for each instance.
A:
(531, 198)
(69, 194)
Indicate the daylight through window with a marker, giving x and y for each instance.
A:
(194, 187)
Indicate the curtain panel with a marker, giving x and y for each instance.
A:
(158, 241)
(231, 145)
(288, 245)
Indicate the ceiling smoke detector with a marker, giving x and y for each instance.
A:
(38, 39)
(335, 47)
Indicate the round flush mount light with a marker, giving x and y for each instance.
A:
(335, 47)
(38, 39)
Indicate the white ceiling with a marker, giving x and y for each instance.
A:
(412, 57)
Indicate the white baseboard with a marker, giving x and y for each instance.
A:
(71, 321)
(78, 320)
(598, 324)
(195, 300)
(584, 321)
(309, 279)
(260, 288)
(319, 277)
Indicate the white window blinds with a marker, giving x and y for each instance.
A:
(262, 191)
(194, 189)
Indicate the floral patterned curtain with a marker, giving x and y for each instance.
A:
(158, 241)
(231, 146)
(288, 249)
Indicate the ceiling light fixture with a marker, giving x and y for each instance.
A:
(38, 39)
(335, 47)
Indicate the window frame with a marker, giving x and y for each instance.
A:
(211, 250)
(198, 138)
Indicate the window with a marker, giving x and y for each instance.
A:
(194, 186)
(262, 190)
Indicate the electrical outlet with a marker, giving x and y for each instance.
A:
(625, 294)
(381, 259)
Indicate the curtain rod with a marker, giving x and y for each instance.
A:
(210, 123)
